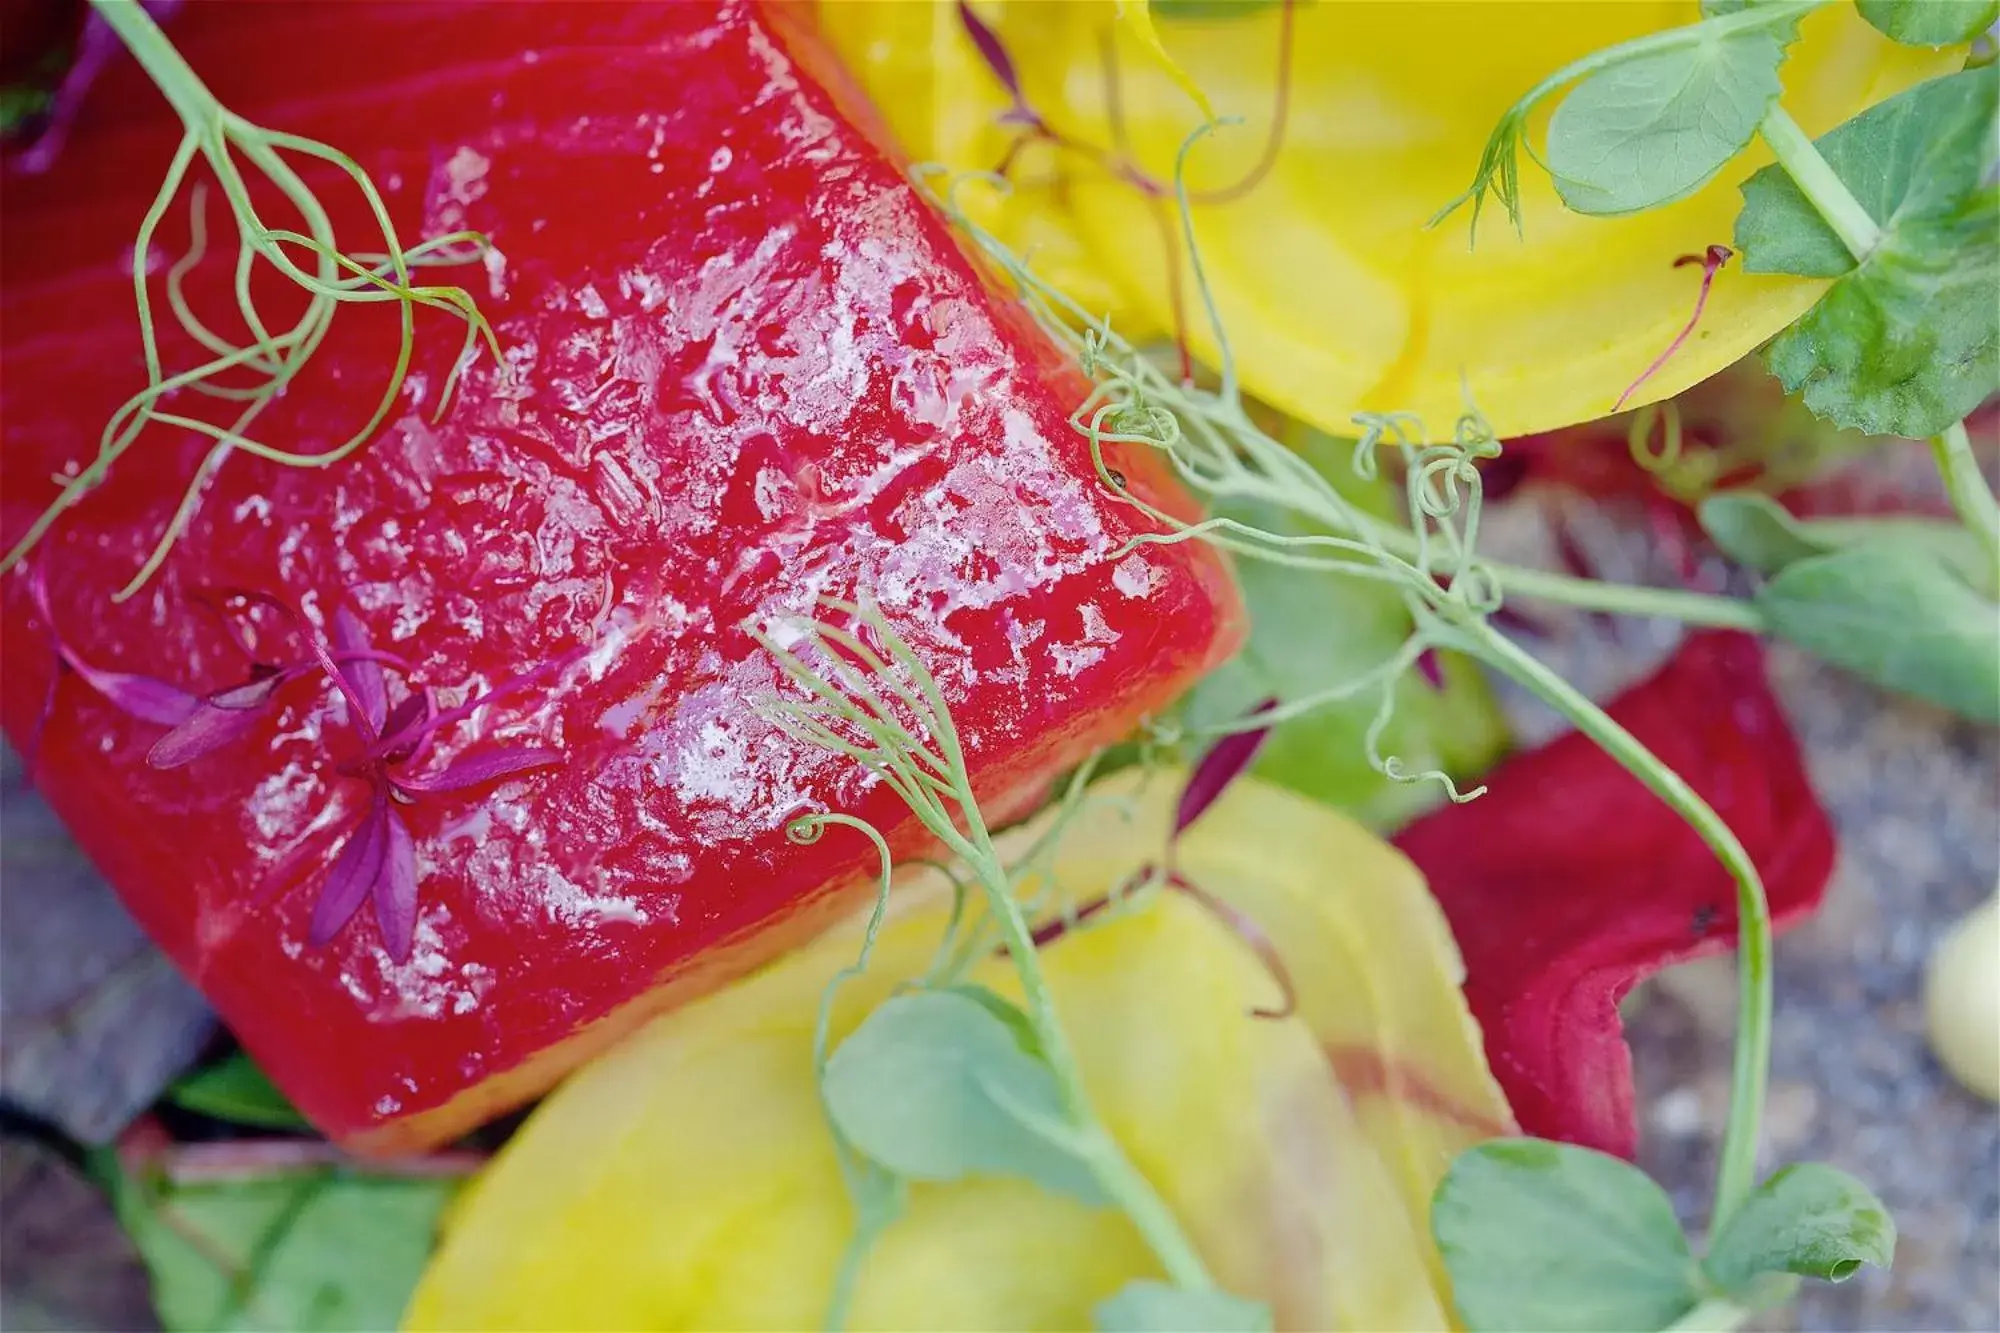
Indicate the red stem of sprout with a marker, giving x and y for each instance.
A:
(1711, 264)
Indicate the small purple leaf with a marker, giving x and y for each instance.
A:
(426, 727)
(357, 710)
(1431, 667)
(97, 46)
(396, 889)
(994, 52)
(478, 770)
(1223, 764)
(216, 721)
(142, 697)
(251, 693)
(353, 874)
(362, 674)
(403, 735)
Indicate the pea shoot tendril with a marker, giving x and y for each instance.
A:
(314, 259)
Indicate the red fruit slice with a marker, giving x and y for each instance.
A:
(1569, 882)
(745, 368)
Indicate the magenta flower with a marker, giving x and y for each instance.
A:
(378, 859)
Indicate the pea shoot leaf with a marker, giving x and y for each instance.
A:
(1756, 531)
(1916, 156)
(1654, 129)
(1907, 341)
(1760, 534)
(1155, 1307)
(1808, 1219)
(1891, 612)
(1930, 22)
(320, 1249)
(934, 1086)
(1308, 633)
(235, 1089)
(1555, 1238)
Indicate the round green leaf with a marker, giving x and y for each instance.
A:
(1755, 531)
(1930, 22)
(934, 1085)
(1891, 612)
(1652, 130)
(1808, 1219)
(315, 1250)
(1906, 342)
(1547, 1237)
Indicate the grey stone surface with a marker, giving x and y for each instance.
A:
(93, 1019)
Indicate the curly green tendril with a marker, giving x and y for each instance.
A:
(269, 359)
(1214, 446)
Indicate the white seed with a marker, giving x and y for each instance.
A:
(1962, 999)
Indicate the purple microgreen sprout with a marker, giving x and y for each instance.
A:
(1711, 263)
(1228, 759)
(142, 697)
(377, 860)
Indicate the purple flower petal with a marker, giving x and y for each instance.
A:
(361, 672)
(142, 697)
(353, 875)
(96, 47)
(404, 733)
(478, 770)
(217, 720)
(1223, 764)
(396, 889)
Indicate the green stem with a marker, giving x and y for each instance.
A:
(1693, 608)
(1966, 485)
(1718, 1314)
(1122, 1180)
(1737, 1173)
(192, 101)
(1818, 182)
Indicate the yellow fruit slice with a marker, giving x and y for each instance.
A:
(1336, 296)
